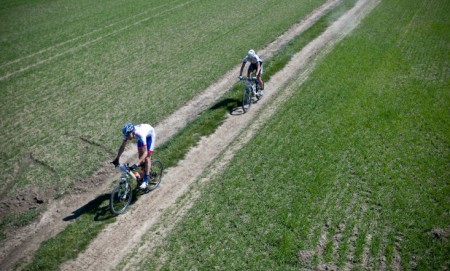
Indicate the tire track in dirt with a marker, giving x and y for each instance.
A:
(21, 244)
(114, 243)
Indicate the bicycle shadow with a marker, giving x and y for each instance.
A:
(238, 110)
(95, 206)
(99, 207)
(104, 213)
(231, 104)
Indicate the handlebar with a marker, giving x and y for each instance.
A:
(254, 78)
(126, 169)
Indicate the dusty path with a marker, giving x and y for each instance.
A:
(212, 153)
(21, 244)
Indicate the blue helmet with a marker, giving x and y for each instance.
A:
(127, 129)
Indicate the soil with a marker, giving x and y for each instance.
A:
(210, 156)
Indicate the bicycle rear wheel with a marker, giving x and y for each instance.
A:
(121, 197)
(155, 175)
(247, 99)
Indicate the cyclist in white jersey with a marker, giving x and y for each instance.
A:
(146, 136)
(256, 65)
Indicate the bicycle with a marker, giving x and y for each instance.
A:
(251, 89)
(122, 193)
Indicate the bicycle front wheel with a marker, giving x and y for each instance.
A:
(155, 175)
(121, 197)
(247, 99)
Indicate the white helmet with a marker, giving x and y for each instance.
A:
(251, 53)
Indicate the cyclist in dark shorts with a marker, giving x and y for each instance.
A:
(256, 65)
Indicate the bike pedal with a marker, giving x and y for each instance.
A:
(153, 175)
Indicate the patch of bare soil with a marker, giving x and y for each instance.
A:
(441, 234)
(115, 242)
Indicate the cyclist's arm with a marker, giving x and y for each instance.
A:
(258, 67)
(244, 61)
(121, 149)
(242, 68)
(143, 156)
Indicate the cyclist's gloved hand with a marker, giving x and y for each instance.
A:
(115, 162)
(133, 167)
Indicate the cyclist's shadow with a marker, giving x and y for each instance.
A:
(95, 206)
(230, 105)
(237, 111)
(99, 207)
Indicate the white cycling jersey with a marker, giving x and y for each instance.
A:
(145, 135)
(252, 60)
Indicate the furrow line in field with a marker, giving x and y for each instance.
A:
(382, 266)
(77, 47)
(353, 240)
(371, 261)
(337, 240)
(339, 235)
(351, 249)
(366, 259)
(306, 256)
(324, 235)
(115, 242)
(397, 256)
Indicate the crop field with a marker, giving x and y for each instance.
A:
(72, 73)
(352, 173)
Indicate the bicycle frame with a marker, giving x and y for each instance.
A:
(122, 193)
(250, 88)
(250, 81)
(125, 171)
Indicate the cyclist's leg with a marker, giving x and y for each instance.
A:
(259, 76)
(249, 72)
(148, 159)
(142, 165)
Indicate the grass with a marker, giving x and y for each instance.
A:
(357, 171)
(175, 149)
(17, 220)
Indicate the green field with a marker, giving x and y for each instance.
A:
(352, 173)
(72, 73)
